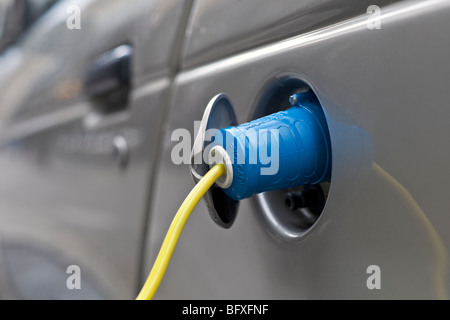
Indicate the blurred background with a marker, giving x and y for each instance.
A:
(77, 141)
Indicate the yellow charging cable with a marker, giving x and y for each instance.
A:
(165, 253)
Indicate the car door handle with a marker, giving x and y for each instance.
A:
(108, 81)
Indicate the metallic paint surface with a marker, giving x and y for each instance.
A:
(365, 79)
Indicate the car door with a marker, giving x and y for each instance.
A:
(82, 95)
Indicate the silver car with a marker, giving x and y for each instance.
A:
(91, 92)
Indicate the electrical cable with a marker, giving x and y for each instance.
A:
(157, 273)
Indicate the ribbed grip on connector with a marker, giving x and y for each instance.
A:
(283, 150)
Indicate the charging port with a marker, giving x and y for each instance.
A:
(282, 149)
(290, 213)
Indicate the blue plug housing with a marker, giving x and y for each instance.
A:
(287, 149)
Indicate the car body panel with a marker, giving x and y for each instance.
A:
(218, 29)
(387, 204)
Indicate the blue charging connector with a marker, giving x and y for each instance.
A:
(287, 149)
